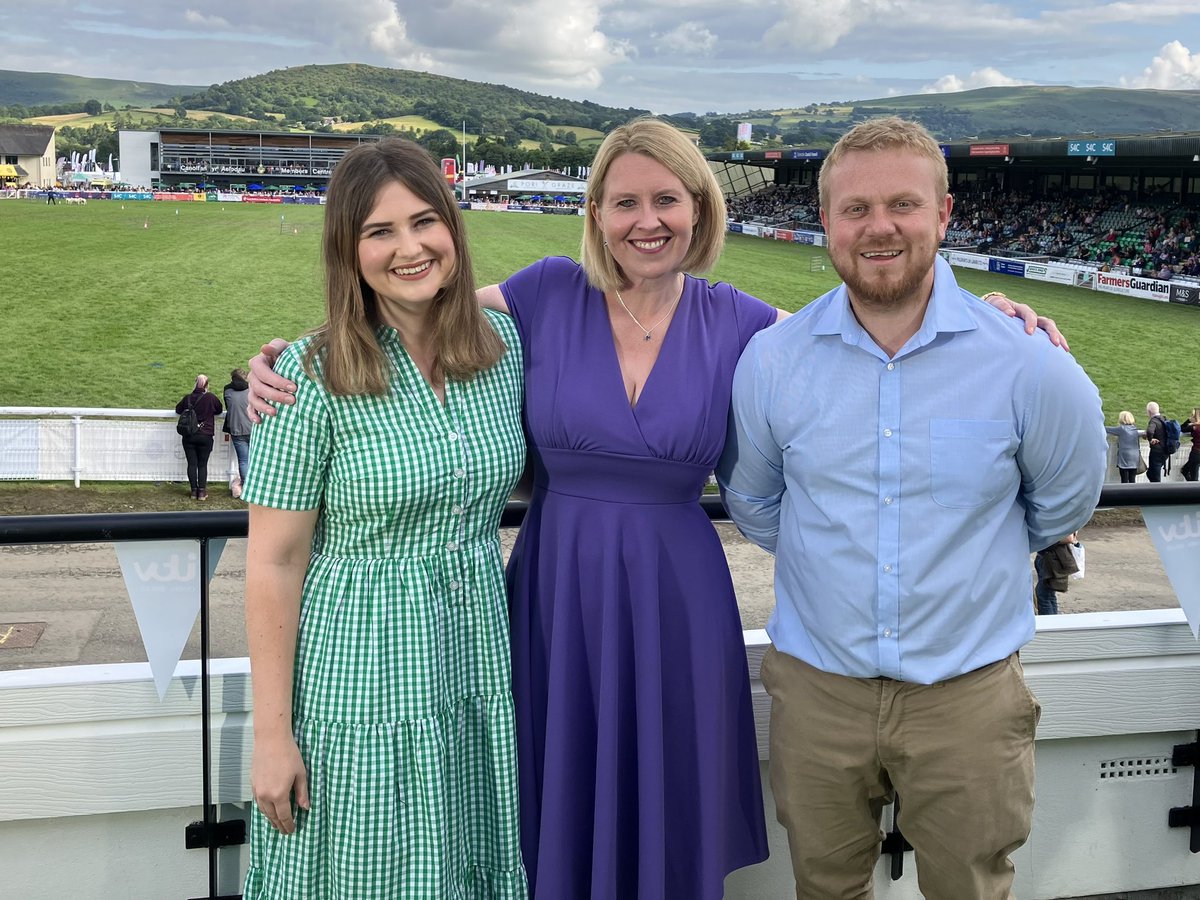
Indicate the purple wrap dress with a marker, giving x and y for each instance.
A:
(639, 771)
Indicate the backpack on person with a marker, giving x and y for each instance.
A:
(1172, 434)
(189, 422)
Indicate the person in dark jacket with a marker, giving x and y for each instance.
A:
(198, 447)
(1156, 433)
(1054, 566)
(1191, 468)
(237, 424)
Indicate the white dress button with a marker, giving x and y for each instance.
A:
(887, 432)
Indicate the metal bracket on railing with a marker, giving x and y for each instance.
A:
(894, 843)
(199, 835)
(1188, 816)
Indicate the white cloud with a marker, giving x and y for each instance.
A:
(1174, 68)
(689, 38)
(821, 24)
(980, 78)
(192, 17)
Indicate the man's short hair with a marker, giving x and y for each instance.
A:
(1152, 408)
(886, 133)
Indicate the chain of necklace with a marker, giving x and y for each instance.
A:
(647, 331)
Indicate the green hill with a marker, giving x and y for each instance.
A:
(352, 92)
(356, 96)
(1034, 111)
(49, 89)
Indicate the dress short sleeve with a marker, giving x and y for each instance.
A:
(290, 451)
(753, 315)
(526, 290)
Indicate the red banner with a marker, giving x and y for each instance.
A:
(989, 150)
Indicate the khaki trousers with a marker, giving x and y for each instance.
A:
(959, 753)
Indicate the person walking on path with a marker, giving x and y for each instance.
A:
(1191, 468)
(237, 425)
(1129, 446)
(198, 447)
(1156, 431)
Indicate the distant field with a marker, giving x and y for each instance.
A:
(120, 305)
(420, 123)
(148, 116)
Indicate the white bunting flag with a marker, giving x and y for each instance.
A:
(163, 581)
(1175, 531)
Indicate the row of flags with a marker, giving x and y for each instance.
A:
(83, 162)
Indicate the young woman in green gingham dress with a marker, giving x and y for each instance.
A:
(402, 707)
(385, 762)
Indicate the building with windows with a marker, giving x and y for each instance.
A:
(29, 150)
(192, 159)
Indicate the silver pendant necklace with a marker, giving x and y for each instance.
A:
(646, 331)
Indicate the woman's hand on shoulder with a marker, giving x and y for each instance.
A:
(267, 388)
(1029, 315)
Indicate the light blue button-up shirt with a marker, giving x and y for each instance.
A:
(902, 495)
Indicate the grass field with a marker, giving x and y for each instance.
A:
(120, 304)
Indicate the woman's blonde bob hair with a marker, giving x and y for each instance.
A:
(351, 358)
(665, 145)
(1125, 418)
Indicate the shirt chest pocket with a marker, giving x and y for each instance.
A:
(970, 461)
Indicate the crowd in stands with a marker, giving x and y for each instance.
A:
(1103, 227)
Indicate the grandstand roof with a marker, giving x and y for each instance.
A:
(1158, 153)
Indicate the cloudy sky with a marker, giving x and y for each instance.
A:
(667, 56)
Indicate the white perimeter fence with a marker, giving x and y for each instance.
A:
(100, 444)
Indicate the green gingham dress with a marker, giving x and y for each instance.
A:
(402, 706)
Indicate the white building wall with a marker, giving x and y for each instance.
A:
(135, 157)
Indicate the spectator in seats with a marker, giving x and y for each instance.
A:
(384, 758)
(902, 586)
(1155, 434)
(1129, 445)
(198, 447)
(615, 545)
(237, 425)
(1191, 468)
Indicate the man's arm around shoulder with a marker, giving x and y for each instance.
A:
(1063, 453)
(750, 471)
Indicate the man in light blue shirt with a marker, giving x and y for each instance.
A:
(902, 448)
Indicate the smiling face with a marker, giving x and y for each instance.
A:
(646, 216)
(885, 218)
(405, 253)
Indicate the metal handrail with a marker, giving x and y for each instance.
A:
(105, 527)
